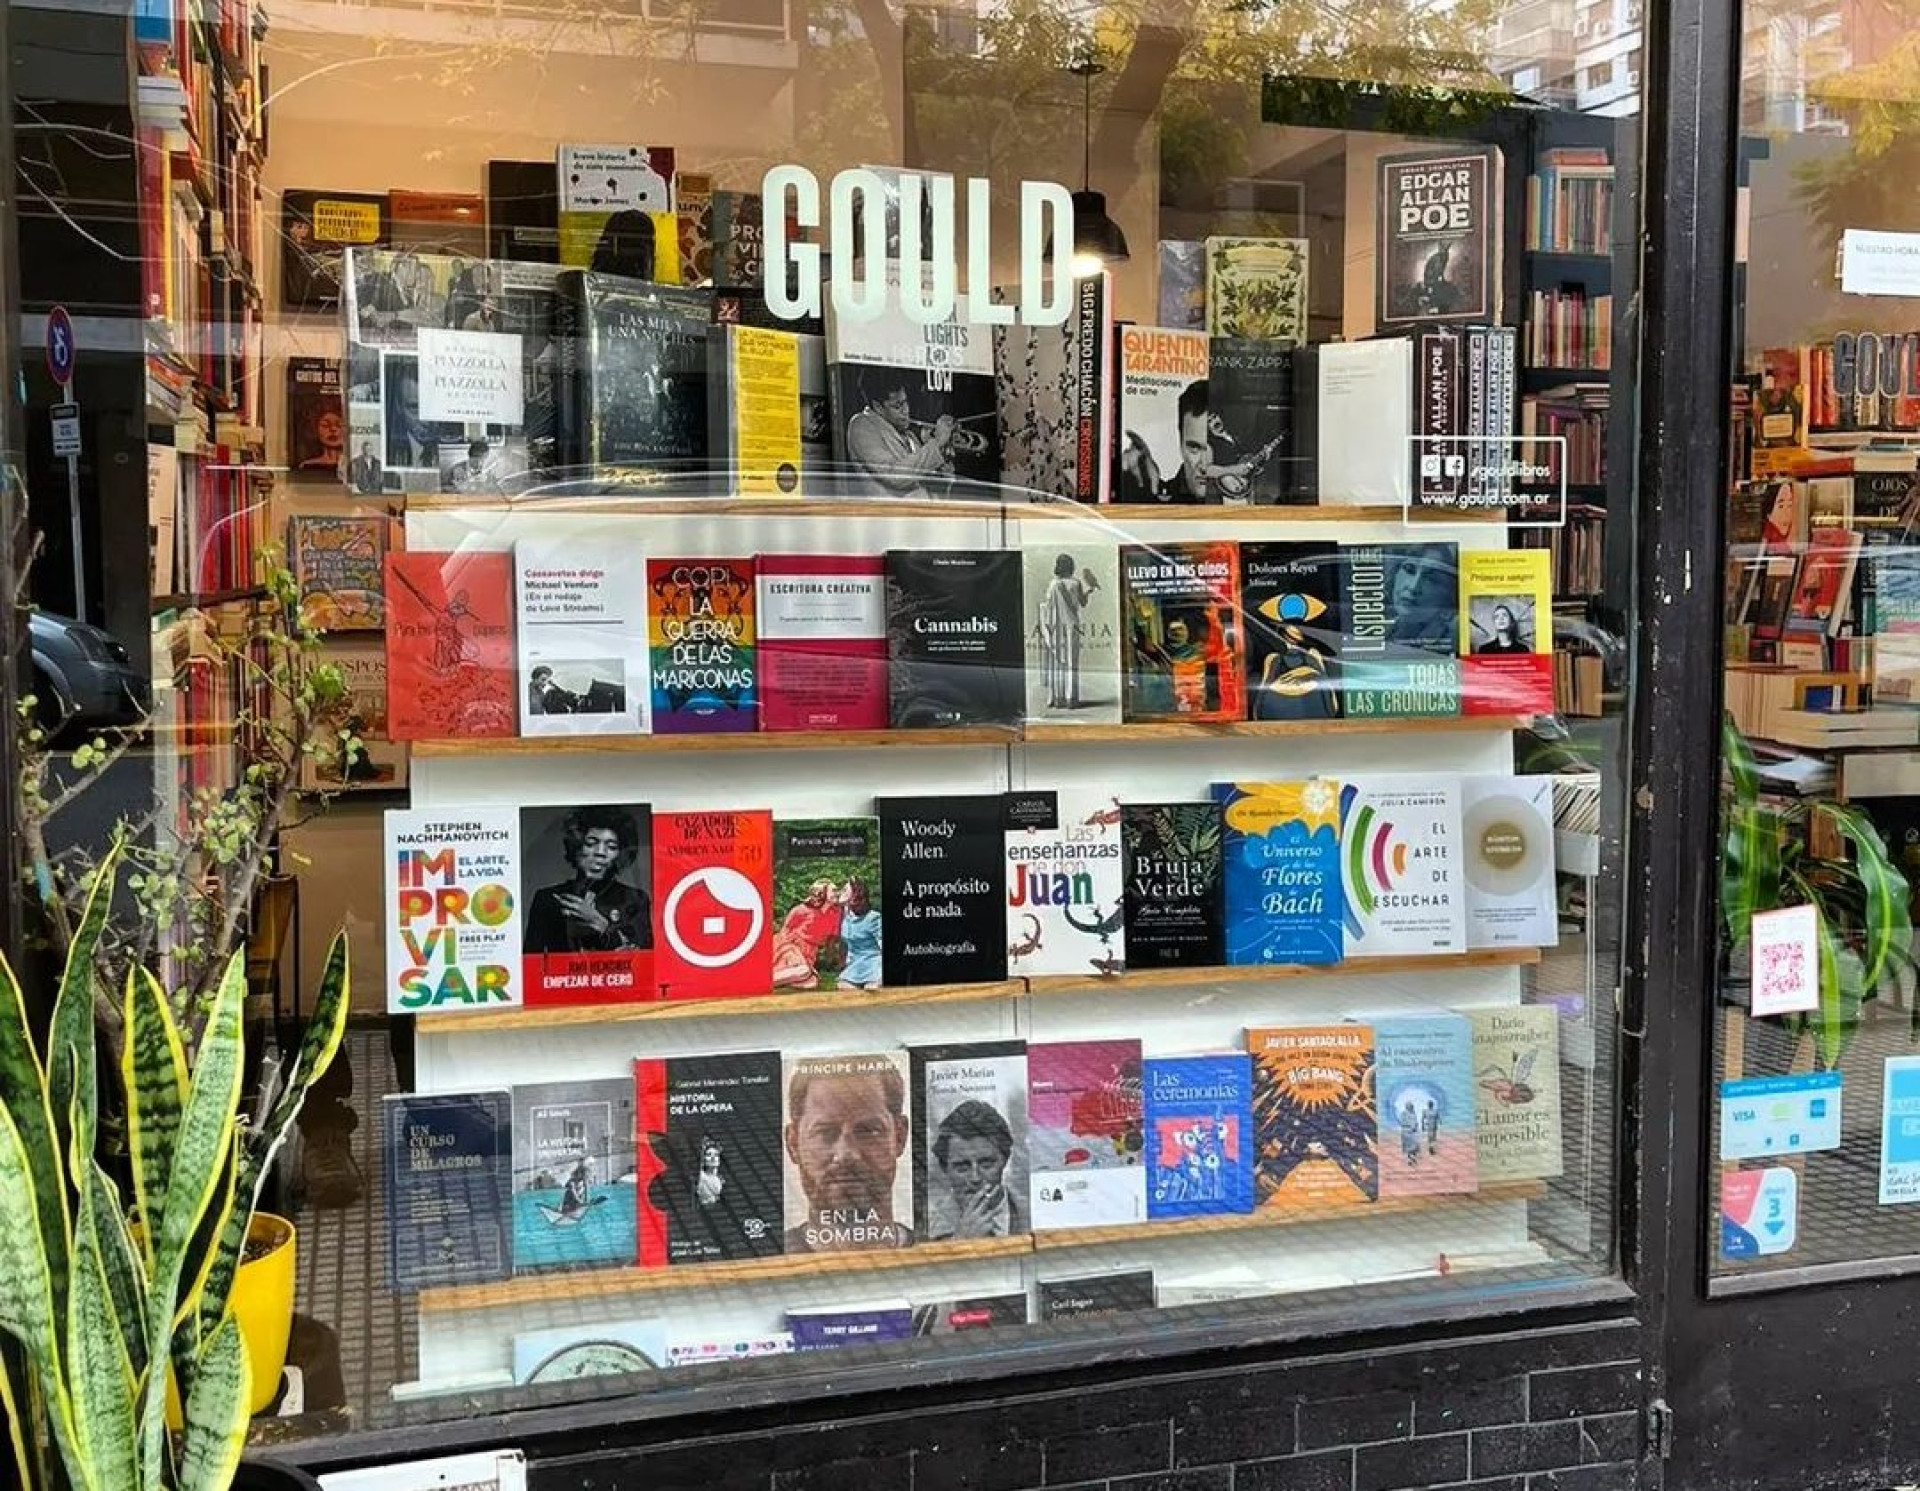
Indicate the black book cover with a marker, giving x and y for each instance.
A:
(1096, 1294)
(942, 890)
(709, 1154)
(1437, 252)
(969, 1140)
(955, 653)
(983, 1312)
(1439, 401)
(523, 211)
(1290, 595)
(1885, 498)
(1301, 475)
(633, 374)
(316, 230)
(449, 1171)
(1250, 395)
(530, 310)
(316, 419)
(1400, 630)
(1174, 907)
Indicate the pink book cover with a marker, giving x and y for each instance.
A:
(822, 642)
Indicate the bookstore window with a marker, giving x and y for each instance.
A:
(979, 687)
(1814, 1113)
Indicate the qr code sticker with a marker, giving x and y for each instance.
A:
(1778, 978)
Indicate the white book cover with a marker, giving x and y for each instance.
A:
(1158, 365)
(1401, 865)
(453, 927)
(486, 1470)
(583, 637)
(1507, 847)
(1071, 595)
(563, 1353)
(1065, 889)
(1365, 422)
(615, 178)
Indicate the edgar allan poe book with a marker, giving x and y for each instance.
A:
(1073, 633)
(1180, 632)
(1290, 596)
(1313, 1117)
(1439, 240)
(942, 890)
(708, 1130)
(713, 888)
(826, 903)
(574, 1175)
(448, 1173)
(1065, 890)
(970, 1144)
(822, 654)
(1424, 1090)
(1171, 861)
(1400, 620)
(586, 876)
(450, 651)
(700, 625)
(1281, 870)
(954, 646)
(633, 375)
(453, 929)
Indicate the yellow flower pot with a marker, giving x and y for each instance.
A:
(262, 1302)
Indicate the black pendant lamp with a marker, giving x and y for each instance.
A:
(1097, 239)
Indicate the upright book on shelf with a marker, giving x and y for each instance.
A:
(1199, 1135)
(713, 892)
(1172, 864)
(1250, 423)
(1117, 1293)
(1053, 388)
(826, 903)
(1438, 255)
(1507, 859)
(1423, 1079)
(822, 652)
(1281, 871)
(450, 651)
(970, 1146)
(1165, 436)
(586, 874)
(1290, 598)
(1506, 631)
(1257, 287)
(758, 422)
(1516, 1060)
(942, 889)
(633, 376)
(1065, 890)
(1084, 1115)
(848, 1178)
(1072, 614)
(708, 1143)
(1399, 612)
(316, 230)
(1182, 301)
(377, 762)
(1356, 422)
(1313, 1117)
(1180, 641)
(954, 648)
(316, 419)
(339, 563)
(449, 1163)
(1400, 850)
(574, 1175)
(700, 634)
(453, 925)
(583, 636)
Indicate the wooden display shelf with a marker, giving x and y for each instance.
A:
(1452, 724)
(1256, 973)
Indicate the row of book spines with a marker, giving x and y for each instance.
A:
(1577, 553)
(1570, 210)
(1570, 329)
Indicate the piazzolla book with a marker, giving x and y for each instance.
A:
(708, 1131)
(453, 928)
(448, 1166)
(573, 1175)
(1438, 252)
(1066, 895)
(954, 653)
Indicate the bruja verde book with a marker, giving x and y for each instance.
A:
(943, 889)
(1281, 871)
(1313, 1116)
(573, 1175)
(448, 1170)
(1065, 888)
(453, 923)
(701, 636)
(1199, 1135)
(1180, 642)
(708, 1145)
(1290, 596)
(1171, 860)
(1423, 1083)
(1400, 621)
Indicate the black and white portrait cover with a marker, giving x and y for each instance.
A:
(586, 882)
(709, 1148)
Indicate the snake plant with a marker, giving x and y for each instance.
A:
(1766, 862)
(104, 1298)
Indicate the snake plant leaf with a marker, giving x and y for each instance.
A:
(1886, 916)
(191, 1324)
(153, 1073)
(20, 1405)
(27, 1311)
(70, 1033)
(216, 1413)
(119, 1266)
(99, 1376)
(23, 1093)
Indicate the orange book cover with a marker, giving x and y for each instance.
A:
(1314, 1124)
(713, 900)
(450, 655)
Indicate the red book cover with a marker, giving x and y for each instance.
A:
(586, 873)
(822, 649)
(450, 657)
(713, 894)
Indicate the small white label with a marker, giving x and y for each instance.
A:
(1786, 960)
(1875, 263)
(66, 429)
(470, 376)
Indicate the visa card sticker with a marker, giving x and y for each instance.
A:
(1763, 1116)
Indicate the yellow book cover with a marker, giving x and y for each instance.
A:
(1506, 632)
(763, 397)
(582, 234)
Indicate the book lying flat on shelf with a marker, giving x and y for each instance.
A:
(943, 889)
(839, 1201)
(1172, 863)
(1072, 614)
(970, 1145)
(826, 903)
(1084, 1116)
(830, 1327)
(583, 637)
(453, 925)
(1065, 887)
(1199, 1135)
(1281, 871)
(982, 1312)
(1401, 857)
(713, 893)
(708, 1136)
(586, 877)
(1507, 860)
(700, 635)
(1516, 1059)
(448, 1169)
(822, 651)
(1165, 434)
(450, 650)
(954, 648)
(573, 1175)
(567, 1353)
(1096, 1294)
(1313, 1116)
(1423, 1076)
(1180, 644)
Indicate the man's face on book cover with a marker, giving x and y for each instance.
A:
(846, 1145)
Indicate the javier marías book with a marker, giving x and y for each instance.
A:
(1257, 287)
(1290, 597)
(1085, 1117)
(826, 903)
(585, 880)
(1096, 1294)
(1516, 1064)
(1072, 633)
(1424, 1087)
(712, 886)
(1054, 391)
(1400, 626)
(583, 637)
(453, 925)
(700, 634)
(1506, 632)
(970, 1140)
(943, 890)
(449, 1166)
(1400, 847)
(1199, 1135)
(1313, 1116)
(1171, 860)
(573, 1175)
(1065, 890)
(708, 1136)
(837, 1203)
(822, 652)
(1438, 252)
(1281, 869)
(1163, 400)
(954, 653)
(1180, 645)
(633, 375)
(450, 658)
(1507, 859)
(1250, 422)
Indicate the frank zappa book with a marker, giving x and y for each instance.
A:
(1400, 843)
(970, 1149)
(1171, 860)
(633, 375)
(1054, 392)
(1516, 1061)
(1423, 1076)
(1250, 423)
(448, 1170)
(1199, 1135)
(573, 1175)
(708, 1131)
(1085, 1116)
(1400, 628)
(1066, 895)
(848, 1194)
(954, 652)
(700, 630)
(316, 419)
(942, 885)
(1438, 255)
(1181, 647)
(450, 655)
(1290, 596)
(1096, 1294)
(1073, 633)
(822, 657)
(316, 230)
(713, 889)
(826, 903)
(1166, 433)
(1257, 288)
(1313, 1117)
(586, 875)
(583, 636)
(1281, 862)
(453, 928)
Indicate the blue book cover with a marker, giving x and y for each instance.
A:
(1424, 1087)
(574, 1175)
(850, 1325)
(449, 1162)
(1199, 1135)
(1282, 871)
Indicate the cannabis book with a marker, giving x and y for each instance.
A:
(1180, 643)
(573, 1175)
(1163, 401)
(316, 419)
(633, 375)
(713, 888)
(1199, 1135)
(1072, 614)
(970, 1149)
(339, 564)
(1438, 253)
(943, 889)
(1400, 627)
(708, 1135)
(1516, 1061)
(1401, 856)
(1096, 1294)
(583, 636)
(450, 654)
(568, 1353)
(1085, 1117)
(1281, 871)
(449, 1164)
(1313, 1116)
(1053, 390)
(1506, 631)
(954, 651)
(1290, 597)
(586, 880)
(826, 903)
(1507, 859)
(1423, 1080)
(1065, 886)
(1250, 423)
(700, 635)
(1172, 863)
(1257, 287)
(453, 925)
(848, 1177)
(822, 650)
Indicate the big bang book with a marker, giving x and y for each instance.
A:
(453, 928)
(1313, 1116)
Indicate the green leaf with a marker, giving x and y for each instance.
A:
(216, 1412)
(99, 1375)
(26, 1292)
(1886, 916)
(23, 1093)
(120, 1265)
(70, 1036)
(153, 1073)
